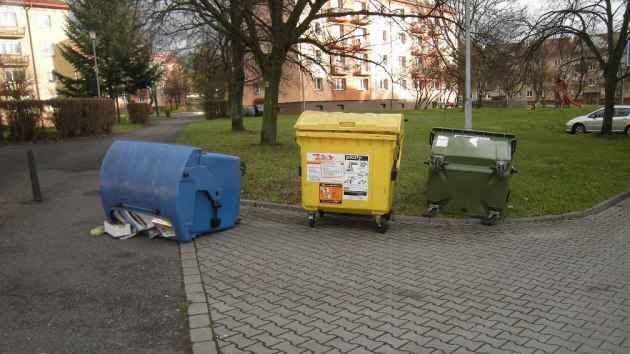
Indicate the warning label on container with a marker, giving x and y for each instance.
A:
(330, 193)
(342, 175)
(355, 184)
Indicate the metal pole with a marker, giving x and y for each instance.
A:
(37, 193)
(468, 124)
(98, 83)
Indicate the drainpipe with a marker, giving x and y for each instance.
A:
(30, 38)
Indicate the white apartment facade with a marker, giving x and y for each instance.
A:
(376, 63)
(30, 32)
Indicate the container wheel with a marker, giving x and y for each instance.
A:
(321, 213)
(382, 226)
(311, 219)
(491, 219)
(388, 216)
(431, 212)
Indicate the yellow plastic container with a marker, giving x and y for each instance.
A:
(349, 163)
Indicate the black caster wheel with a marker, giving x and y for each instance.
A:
(490, 220)
(321, 213)
(383, 227)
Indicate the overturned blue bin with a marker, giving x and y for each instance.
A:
(182, 189)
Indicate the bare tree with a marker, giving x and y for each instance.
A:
(272, 31)
(602, 27)
(16, 85)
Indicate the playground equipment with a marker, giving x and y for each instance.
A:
(561, 94)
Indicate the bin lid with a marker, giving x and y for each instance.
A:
(350, 122)
(472, 144)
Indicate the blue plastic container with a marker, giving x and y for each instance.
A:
(196, 191)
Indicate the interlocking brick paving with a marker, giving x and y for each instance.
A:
(275, 285)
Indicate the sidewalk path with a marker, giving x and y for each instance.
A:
(64, 291)
(275, 285)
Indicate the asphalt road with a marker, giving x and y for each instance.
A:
(64, 291)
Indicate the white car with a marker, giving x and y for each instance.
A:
(593, 121)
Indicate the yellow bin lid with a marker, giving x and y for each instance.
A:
(350, 122)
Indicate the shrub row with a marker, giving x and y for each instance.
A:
(215, 108)
(71, 116)
(139, 113)
(24, 119)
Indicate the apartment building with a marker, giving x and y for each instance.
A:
(30, 32)
(375, 62)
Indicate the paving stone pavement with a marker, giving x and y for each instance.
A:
(274, 285)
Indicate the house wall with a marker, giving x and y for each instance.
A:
(45, 35)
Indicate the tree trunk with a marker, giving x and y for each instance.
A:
(272, 77)
(610, 86)
(237, 81)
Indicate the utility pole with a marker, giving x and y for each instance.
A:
(468, 124)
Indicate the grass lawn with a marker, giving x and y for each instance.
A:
(557, 172)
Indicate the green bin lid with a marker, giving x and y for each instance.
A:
(350, 122)
(472, 144)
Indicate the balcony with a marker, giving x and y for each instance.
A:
(13, 60)
(341, 45)
(340, 69)
(417, 51)
(362, 70)
(360, 20)
(417, 28)
(11, 32)
(358, 45)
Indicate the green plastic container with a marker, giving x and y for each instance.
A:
(469, 172)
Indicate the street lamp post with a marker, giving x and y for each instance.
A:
(92, 34)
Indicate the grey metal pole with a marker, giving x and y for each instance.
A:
(37, 192)
(468, 124)
(98, 83)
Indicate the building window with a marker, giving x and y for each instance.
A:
(383, 105)
(317, 82)
(44, 21)
(14, 75)
(402, 105)
(403, 83)
(558, 62)
(335, 4)
(417, 40)
(363, 84)
(529, 93)
(383, 84)
(340, 84)
(338, 59)
(257, 89)
(591, 82)
(592, 66)
(8, 19)
(48, 49)
(318, 55)
(402, 38)
(10, 47)
(50, 75)
(417, 62)
(435, 85)
(385, 59)
(340, 107)
(384, 36)
(402, 62)
(318, 28)
(319, 107)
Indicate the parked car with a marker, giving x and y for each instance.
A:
(592, 122)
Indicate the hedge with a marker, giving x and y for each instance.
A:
(24, 119)
(215, 108)
(139, 113)
(83, 116)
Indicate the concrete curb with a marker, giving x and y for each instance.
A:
(459, 221)
(199, 319)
